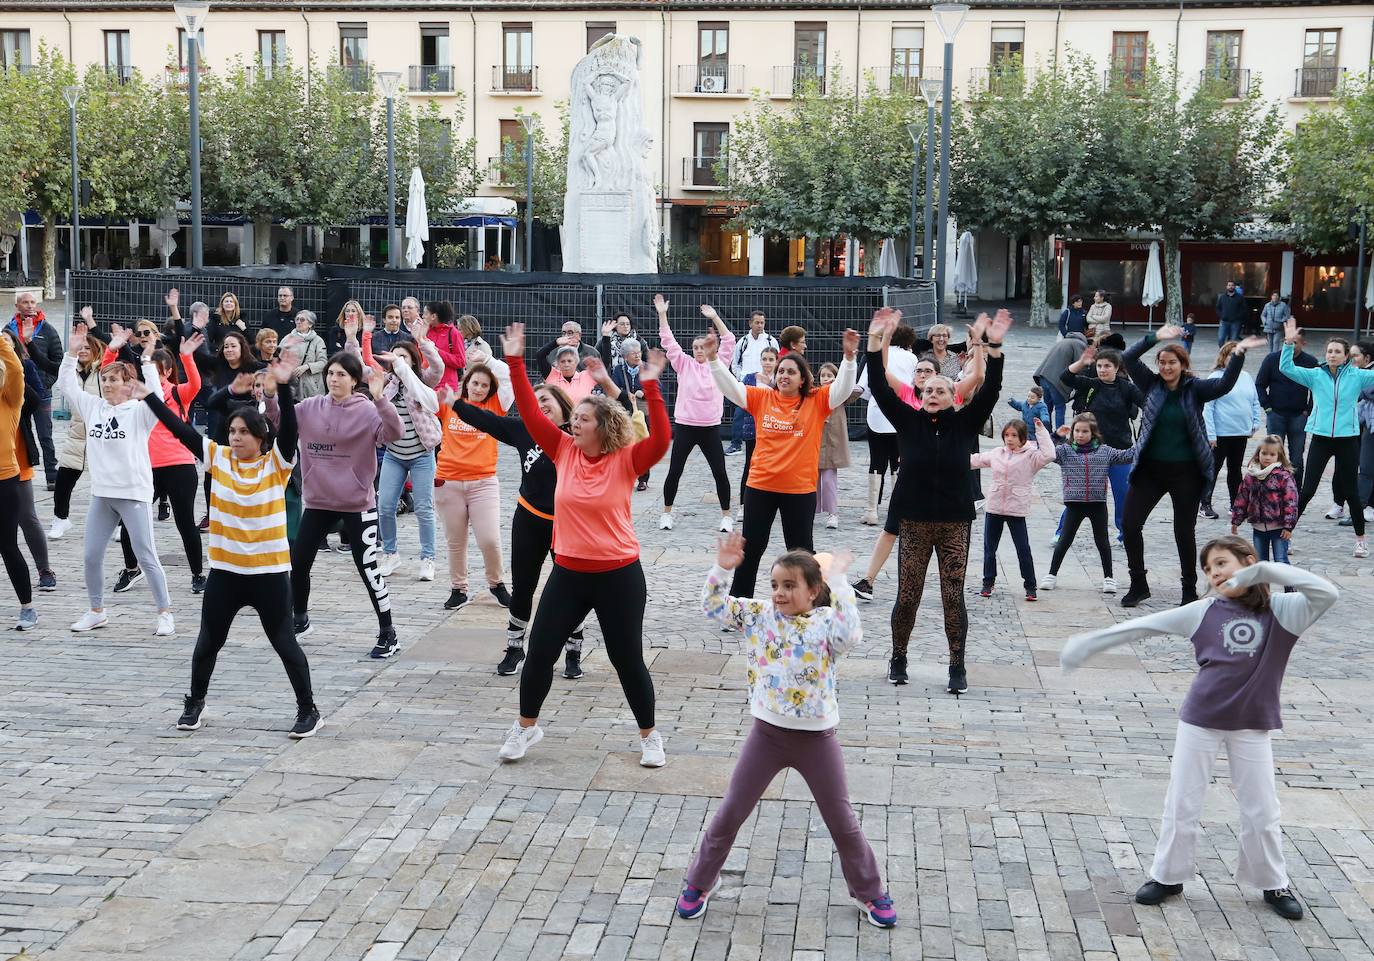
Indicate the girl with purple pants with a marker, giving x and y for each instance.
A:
(792, 643)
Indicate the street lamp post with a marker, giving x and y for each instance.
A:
(527, 121)
(930, 92)
(914, 132)
(192, 15)
(72, 95)
(949, 17)
(390, 82)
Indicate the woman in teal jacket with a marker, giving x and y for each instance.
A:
(1334, 423)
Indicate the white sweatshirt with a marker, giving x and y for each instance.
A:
(116, 436)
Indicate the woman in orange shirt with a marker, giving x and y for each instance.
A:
(596, 554)
(467, 491)
(789, 424)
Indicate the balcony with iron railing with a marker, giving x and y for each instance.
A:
(1317, 81)
(256, 72)
(998, 79)
(507, 169)
(710, 79)
(1234, 80)
(517, 80)
(699, 173)
(789, 78)
(1128, 77)
(357, 76)
(431, 78)
(178, 76)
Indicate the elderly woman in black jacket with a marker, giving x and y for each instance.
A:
(1175, 456)
(931, 499)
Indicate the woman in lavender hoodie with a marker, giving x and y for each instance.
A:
(340, 432)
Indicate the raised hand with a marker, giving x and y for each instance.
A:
(1290, 330)
(597, 369)
(709, 312)
(850, 341)
(1169, 332)
(998, 327)
(1089, 354)
(419, 329)
(369, 323)
(292, 358)
(119, 336)
(730, 550)
(242, 383)
(1251, 343)
(652, 365)
(607, 328)
(281, 370)
(1063, 430)
(660, 305)
(976, 329)
(514, 343)
(884, 318)
(172, 298)
(88, 316)
(350, 326)
(76, 341)
(189, 345)
(199, 322)
(447, 395)
(376, 382)
(139, 390)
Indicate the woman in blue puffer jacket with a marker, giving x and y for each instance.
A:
(1334, 423)
(1230, 420)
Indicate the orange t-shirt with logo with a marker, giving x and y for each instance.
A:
(467, 453)
(787, 439)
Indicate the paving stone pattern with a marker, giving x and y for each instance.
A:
(1013, 822)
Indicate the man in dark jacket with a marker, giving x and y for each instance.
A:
(282, 317)
(1231, 313)
(1073, 319)
(44, 344)
(1286, 404)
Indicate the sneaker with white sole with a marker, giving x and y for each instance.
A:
(1336, 512)
(665, 523)
(1048, 581)
(1361, 548)
(726, 524)
(519, 740)
(426, 572)
(832, 522)
(388, 564)
(879, 912)
(166, 627)
(90, 621)
(1109, 585)
(127, 579)
(307, 723)
(28, 619)
(59, 527)
(691, 903)
(651, 751)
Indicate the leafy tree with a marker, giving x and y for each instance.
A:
(1025, 159)
(1196, 164)
(424, 139)
(550, 166)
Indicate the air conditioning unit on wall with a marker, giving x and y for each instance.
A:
(712, 83)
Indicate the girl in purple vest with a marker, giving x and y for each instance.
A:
(1242, 638)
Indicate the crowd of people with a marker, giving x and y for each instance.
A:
(312, 433)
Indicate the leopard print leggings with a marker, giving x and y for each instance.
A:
(949, 541)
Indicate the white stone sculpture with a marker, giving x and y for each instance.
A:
(6, 248)
(608, 210)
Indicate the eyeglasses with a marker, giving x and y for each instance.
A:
(146, 333)
(571, 330)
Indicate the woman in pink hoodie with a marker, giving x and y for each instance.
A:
(1009, 497)
(340, 432)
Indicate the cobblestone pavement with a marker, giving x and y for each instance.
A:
(1013, 822)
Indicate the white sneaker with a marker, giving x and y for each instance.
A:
(1047, 582)
(60, 526)
(665, 523)
(90, 621)
(739, 513)
(1369, 514)
(388, 564)
(519, 740)
(165, 626)
(1336, 512)
(426, 569)
(1109, 585)
(1361, 548)
(1054, 541)
(726, 524)
(651, 751)
(832, 522)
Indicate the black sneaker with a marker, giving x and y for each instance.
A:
(1152, 892)
(572, 665)
(164, 510)
(986, 590)
(863, 588)
(190, 714)
(1137, 593)
(47, 581)
(197, 583)
(127, 579)
(1284, 903)
(303, 625)
(733, 449)
(501, 594)
(386, 644)
(958, 680)
(511, 662)
(457, 600)
(1206, 511)
(307, 722)
(896, 670)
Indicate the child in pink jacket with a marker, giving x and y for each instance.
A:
(1009, 497)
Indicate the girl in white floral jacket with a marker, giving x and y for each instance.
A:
(792, 641)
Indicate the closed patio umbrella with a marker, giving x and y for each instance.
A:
(1153, 291)
(417, 220)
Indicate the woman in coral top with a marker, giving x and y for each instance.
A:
(789, 423)
(596, 554)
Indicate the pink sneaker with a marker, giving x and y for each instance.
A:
(879, 912)
(691, 903)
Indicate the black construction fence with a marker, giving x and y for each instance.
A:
(543, 302)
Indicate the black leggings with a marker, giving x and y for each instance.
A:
(1231, 452)
(748, 459)
(569, 596)
(362, 536)
(227, 593)
(1150, 481)
(1075, 512)
(1345, 484)
(882, 452)
(177, 483)
(62, 493)
(685, 437)
(760, 507)
(15, 565)
(531, 538)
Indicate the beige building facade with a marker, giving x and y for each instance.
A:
(703, 60)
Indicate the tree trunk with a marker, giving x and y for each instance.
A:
(262, 239)
(49, 254)
(872, 247)
(1039, 254)
(1173, 279)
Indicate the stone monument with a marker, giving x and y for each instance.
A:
(608, 210)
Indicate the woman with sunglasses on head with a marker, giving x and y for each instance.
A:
(71, 463)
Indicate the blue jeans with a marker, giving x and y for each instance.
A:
(1228, 331)
(736, 425)
(1270, 541)
(392, 482)
(1292, 428)
(992, 536)
(1055, 401)
(1275, 340)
